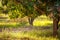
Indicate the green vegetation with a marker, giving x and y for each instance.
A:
(29, 19)
(31, 35)
(24, 32)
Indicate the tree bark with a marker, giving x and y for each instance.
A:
(55, 26)
(31, 21)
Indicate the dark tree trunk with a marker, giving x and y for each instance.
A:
(31, 21)
(55, 26)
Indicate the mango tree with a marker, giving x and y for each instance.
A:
(53, 6)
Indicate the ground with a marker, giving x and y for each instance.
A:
(41, 30)
(27, 33)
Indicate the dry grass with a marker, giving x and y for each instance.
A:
(41, 32)
(36, 33)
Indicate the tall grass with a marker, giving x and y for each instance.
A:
(43, 31)
(34, 34)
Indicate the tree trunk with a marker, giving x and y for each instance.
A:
(55, 26)
(31, 21)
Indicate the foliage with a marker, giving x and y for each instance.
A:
(52, 6)
(32, 8)
(25, 7)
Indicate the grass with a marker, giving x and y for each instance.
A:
(12, 24)
(42, 21)
(42, 31)
(34, 34)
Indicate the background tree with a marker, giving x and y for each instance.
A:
(31, 8)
